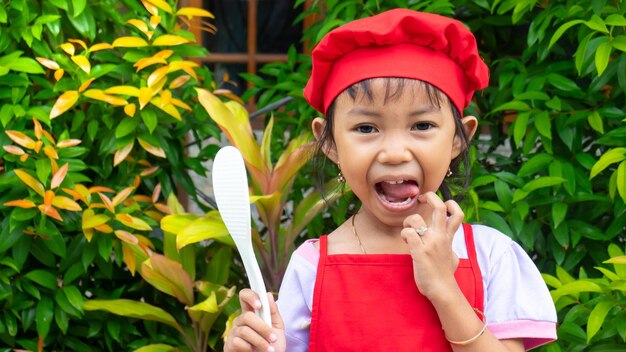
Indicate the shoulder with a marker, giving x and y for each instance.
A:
(308, 253)
(490, 243)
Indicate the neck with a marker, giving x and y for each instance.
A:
(373, 236)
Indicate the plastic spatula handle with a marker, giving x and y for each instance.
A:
(230, 186)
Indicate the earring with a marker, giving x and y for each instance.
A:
(340, 177)
(449, 173)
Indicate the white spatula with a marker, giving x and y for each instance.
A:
(230, 186)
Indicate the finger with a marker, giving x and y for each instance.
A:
(277, 320)
(249, 300)
(410, 236)
(254, 329)
(439, 211)
(456, 217)
(252, 337)
(236, 343)
(414, 221)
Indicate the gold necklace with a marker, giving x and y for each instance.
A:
(356, 235)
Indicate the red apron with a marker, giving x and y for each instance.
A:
(371, 303)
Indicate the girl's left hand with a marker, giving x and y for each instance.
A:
(434, 261)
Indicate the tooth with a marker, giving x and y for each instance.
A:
(395, 182)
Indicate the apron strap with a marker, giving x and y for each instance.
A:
(471, 253)
(317, 291)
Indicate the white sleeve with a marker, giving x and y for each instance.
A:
(295, 297)
(517, 300)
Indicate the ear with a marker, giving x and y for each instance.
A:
(470, 125)
(318, 125)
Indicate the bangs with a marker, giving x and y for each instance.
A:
(395, 87)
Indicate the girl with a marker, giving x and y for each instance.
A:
(404, 273)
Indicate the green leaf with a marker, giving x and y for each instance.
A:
(551, 280)
(3, 15)
(596, 23)
(561, 233)
(536, 163)
(79, 6)
(533, 95)
(209, 305)
(210, 226)
(159, 347)
(483, 180)
(596, 318)
(612, 156)
(62, 319)
(43, 169)
(608, 273)
(603, 53)
(581, 53)
(615, 20)
(150, 119)
(219, 267)
(127, 126)
(543, 124)
(132, 309)
(621, 180)
(169, 277)
(85, 23)
(542, 182)
(561, 30)
(27, 65)
(327, 27)
(519, 128)
(574, 288)
(92, 129)
(513, 105)
(619, 42)
(559, 210)
(44, 316)
(43, 278)
(595, 121)
(490, 205)
(62, 4)
(561, 82)
(266, 151)
(74, 297)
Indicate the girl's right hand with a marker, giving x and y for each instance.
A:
(249, 331)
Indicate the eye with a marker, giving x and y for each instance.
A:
(422, 126)
(365, 129)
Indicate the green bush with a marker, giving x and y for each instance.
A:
(552, 172)
(95, 105)
(597, 303)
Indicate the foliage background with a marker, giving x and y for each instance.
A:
(550, 170)
(552, 174)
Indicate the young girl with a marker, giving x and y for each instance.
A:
(404, 273)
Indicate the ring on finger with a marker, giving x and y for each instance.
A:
(421, 230)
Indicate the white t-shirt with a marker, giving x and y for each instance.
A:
(517, 301)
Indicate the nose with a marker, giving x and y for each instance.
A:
(395, 150)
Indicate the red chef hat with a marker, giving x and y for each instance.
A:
(398, 43)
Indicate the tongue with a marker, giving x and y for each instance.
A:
(399, 192)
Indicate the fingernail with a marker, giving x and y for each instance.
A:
(273, 338)
(257, 304)
(271, 349)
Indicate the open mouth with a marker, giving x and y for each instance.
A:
(397, 193)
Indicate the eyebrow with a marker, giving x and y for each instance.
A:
(359, 111)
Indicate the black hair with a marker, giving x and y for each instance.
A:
(451, 187)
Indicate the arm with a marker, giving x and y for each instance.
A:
(461, 323)
(434, 263)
